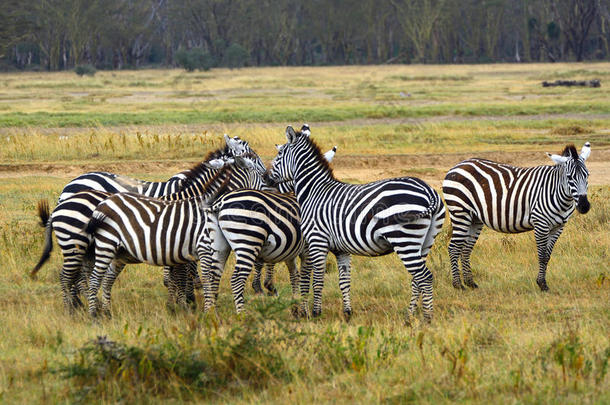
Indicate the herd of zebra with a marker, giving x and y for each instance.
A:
(296, 208)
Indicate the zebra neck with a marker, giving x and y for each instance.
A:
(309, 177)
(561, 189)
(203, 190)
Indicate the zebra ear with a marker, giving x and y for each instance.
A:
(278, 147)
(236, 145)
(244, 163)
(558, 159)
(305, 130)
(291, 136)
(330, 154)
(218, 163)
(586, 151)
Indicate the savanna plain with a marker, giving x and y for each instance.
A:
(506, 342)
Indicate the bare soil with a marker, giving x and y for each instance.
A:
(430, 167)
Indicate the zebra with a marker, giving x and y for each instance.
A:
(512, 200)
(131, 228)
(259, 226)
(286, 187)
(403, 215)
(70, 215)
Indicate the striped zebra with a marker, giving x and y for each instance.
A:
(71, 216)
(513, 199)
(131, 228)
(401, 215)
(286, 187)
(259, 226)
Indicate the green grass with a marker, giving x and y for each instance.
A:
(290, 114)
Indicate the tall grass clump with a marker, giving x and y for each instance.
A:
(202, 360)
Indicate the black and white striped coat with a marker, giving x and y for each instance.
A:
(401, 215)
(71, 215)
(286, 187)
(130, 228)
(259, 226)
(513, 199)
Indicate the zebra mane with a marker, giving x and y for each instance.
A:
(228, 170)
(570, 151)
(317, 152)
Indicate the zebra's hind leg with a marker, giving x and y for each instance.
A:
(244, 259)
(269, 273)
(407, 247)
(474, 232)
(110, 277)
(256, 280)
(344, 264)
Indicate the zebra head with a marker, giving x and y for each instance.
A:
(291, 155)
(245, 173)
(239, 147)
(575, 172)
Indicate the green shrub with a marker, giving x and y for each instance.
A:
(195, 58)
(235, 56)
(82, 70)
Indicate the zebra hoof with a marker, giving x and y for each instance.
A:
(347, 314)
(543, 286)
(296, 312)
(471, 284)
(316, 313)
(458, 285)
(272, 291)
(257, 288)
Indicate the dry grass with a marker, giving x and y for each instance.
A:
(504, 343)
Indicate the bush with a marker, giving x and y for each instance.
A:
(235, 56)
(88, 70)
(195, 58)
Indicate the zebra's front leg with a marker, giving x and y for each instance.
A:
(112, 273)
(344, 264)
(269, 273)
(455, 251)
(474, 232)
(256, 280)
(304, 283)
(541, 233)
(317, 255)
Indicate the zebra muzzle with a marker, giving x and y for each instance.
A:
(583, 205)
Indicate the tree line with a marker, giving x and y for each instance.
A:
(118, 34)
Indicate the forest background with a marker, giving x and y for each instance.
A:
(200, 34)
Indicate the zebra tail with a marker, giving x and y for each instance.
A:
(428, 212)
(43, 213)
(94, 223)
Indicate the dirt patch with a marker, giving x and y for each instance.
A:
(354, 168)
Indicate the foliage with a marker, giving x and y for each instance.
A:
(115, 34)
(195, 58)
(235, 56)
(85, 70)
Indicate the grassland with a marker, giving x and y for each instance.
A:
(504, 343)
